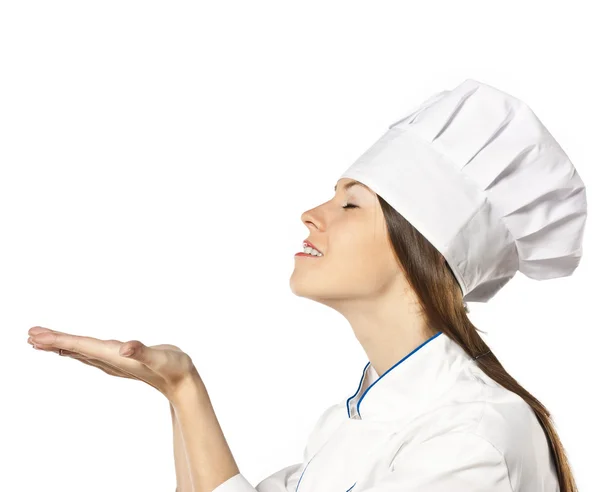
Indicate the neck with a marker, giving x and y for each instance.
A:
(388, 327)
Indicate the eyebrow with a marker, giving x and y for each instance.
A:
(350, 184)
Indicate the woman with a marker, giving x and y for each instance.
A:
(444, 208)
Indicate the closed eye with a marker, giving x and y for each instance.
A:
(350, 205)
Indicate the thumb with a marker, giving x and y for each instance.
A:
(133, 349)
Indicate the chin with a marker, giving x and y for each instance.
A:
(303, 287)
(314, 290)
(299, 287)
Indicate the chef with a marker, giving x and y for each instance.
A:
(444, 208)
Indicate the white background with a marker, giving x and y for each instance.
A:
(155, 160)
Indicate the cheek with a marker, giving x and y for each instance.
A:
(363, 260)
(379, 256)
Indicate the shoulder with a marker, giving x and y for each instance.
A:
(477, 404)
(511, 425)
(480, 420)
(505, 417)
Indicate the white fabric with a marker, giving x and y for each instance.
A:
(434, 422)
(476, 172)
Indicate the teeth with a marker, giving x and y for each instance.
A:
(310, 251)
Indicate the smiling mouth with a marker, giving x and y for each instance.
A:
(309, 250)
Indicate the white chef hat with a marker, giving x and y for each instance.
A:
(476, 172)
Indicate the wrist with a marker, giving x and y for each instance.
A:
(190, 388)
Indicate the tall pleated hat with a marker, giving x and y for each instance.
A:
(476, 173)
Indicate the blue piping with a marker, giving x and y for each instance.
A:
(379, 379)
(357, 389)
(300, 479)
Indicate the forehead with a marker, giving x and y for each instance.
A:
(346, 184)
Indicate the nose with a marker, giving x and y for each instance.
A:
(311, 217)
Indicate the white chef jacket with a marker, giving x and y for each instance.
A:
(433, 422)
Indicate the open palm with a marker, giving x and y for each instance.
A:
(164, 367)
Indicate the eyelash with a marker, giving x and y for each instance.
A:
(349, 205)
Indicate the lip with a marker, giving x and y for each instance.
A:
(308, 243)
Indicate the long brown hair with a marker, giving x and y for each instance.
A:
(441, 299)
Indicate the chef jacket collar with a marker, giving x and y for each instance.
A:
(410, 384)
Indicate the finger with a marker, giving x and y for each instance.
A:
(66, 353)
(115, 371)
(46, 336)
(88, 346)
(128, 349)
(48, 348)
(95, 348)
(106, 351)
(103, 351)
(103, 364)
(134, 349)
(40, 329)
(75, 355)
(151, 357)
(107, 369)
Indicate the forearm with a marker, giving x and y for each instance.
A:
(182, 472)
(209, 458)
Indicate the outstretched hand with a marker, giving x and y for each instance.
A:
(164, 367)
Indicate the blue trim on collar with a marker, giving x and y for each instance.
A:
(379, 379)
(358, 389)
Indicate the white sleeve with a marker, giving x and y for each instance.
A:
(287, 478)
(284, 480)
(454, 462)
(237, 483)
